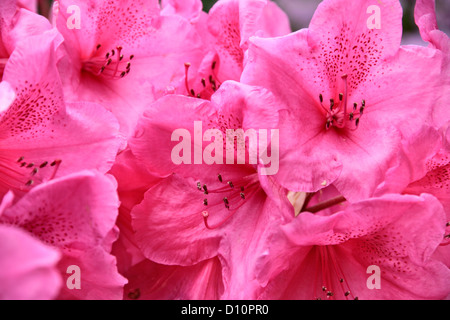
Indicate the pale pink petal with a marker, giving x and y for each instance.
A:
(28, 267)
(7, 96)
(190, 9)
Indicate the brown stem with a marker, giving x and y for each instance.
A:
(308, 198)
(325, 204)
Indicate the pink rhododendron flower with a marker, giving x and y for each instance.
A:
(153, 150)
(75, 214)
(210, 202)
(124, 54)
(352, 96)
(42, 136)
(228, 27)
(332, 255)
(28, 267)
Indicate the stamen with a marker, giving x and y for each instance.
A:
(336, 113)
(252, 185)
(102, 64)
(191, 92)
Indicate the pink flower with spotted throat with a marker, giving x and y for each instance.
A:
(352, 96)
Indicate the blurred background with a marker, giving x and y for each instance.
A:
(301, 11)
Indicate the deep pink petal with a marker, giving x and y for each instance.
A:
(152, 281)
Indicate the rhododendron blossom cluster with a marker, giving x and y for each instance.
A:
(152, 150)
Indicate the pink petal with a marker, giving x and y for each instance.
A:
(125, 93)
(397, 233)
(152, 281)
(27, 267)
(41, 130)
(77, 214)
(179, 218)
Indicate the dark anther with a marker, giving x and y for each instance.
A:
(35, 170)
(199, 186)
(213, 66)
(357, 122)
(98, 46)
(331, 104)
(350, 116)
(230, 184)
(20, 159)
(347, 293)
(203, 82)
(220, 177)
(45, 163)
(205, 202)
(355, 105)
(29, 182)
(341, 96)
(131, 57)
(242, 195)
(320, 98)
(193, 92)
(205, 188)
(30, 165)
